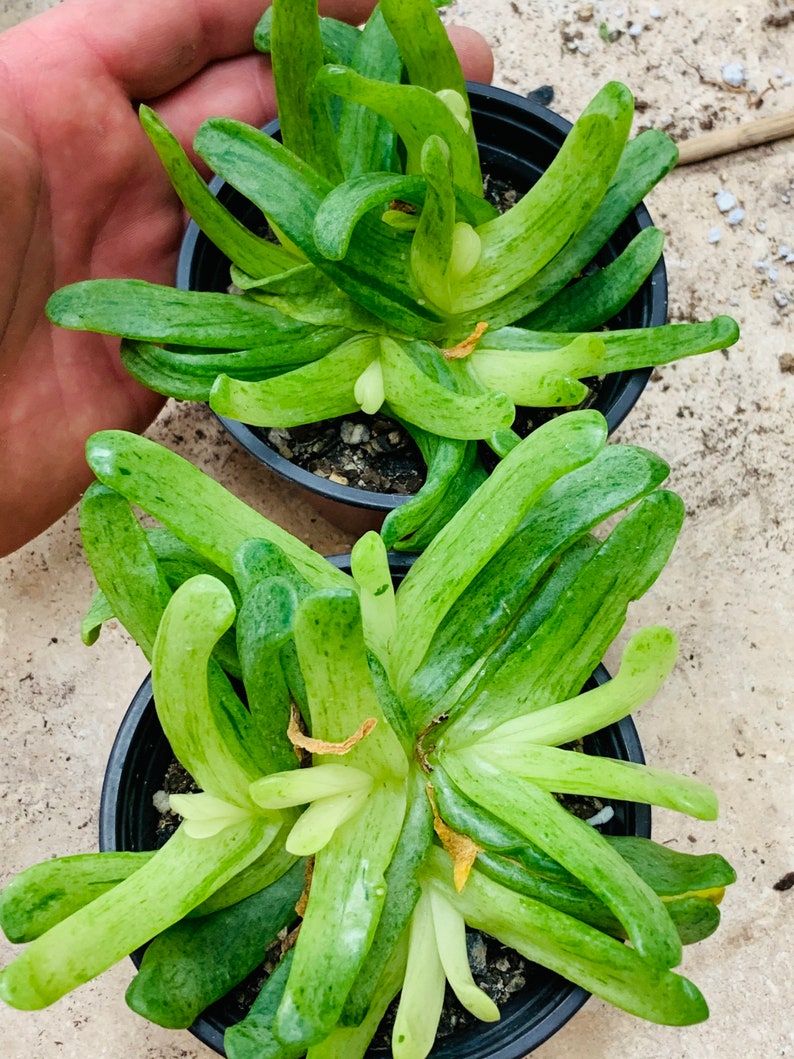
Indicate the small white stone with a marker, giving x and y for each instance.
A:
(785, 198)
(736, 216)
(655, 12)
(666, 121)
(635, 29)
(787, 80)
(781, 299)
(715, 235)
(790, 259)
(778, 71)
(761, 266)
(734, 74)
(760, 226)
(725, 200)
(772, 275)
(783, 250)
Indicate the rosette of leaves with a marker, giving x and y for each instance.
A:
(390, 282)
(434, 721)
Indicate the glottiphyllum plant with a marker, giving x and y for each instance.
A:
(388, 280)
(436, 726)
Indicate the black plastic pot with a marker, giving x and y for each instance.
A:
(137, 765)
(518, 140)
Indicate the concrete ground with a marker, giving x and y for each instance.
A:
(724, 423)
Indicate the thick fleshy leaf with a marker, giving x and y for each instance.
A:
(315, 391)
(176, 879)
(412, 110)
(463, 547)
(195, 508)
(296, 53)
(251, 252)
(375, 271)
(597, 962)
(413, 396)
(577, 846)
(516, 245)
(154, 313)
(596, 298)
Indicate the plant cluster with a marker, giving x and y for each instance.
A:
(407, 745)
(388, 280)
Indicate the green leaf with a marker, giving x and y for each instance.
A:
(176, 879)
(375, 272)
(424, 44)
(413, 396)
(124, 564)
(488, 610)
(463, 547)
(264, 627)
(154, 313)
(39, 897)
(517, 244)
(553, 662)
(339, 39)
(315, 391)
(367, 142)
(600, 964)
(592, 300)
(177, 980)
(193, 506)
(573, 843)
(647, 661)
(643, 163)
(221, 227)
(541, 378)
(296, 54)
(347, 887)
(413, 111)
(189, 374)
(346, 204)
(330, 642)
(209, 736)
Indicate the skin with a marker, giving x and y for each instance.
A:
(84, 196)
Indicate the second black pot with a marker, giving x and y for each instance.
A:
(128, 820)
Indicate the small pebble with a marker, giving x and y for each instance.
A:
(785, 198)
(725, 200)
(772, 275)
(635, 29)
(736, 216)
(734, 74)
(787, 81)
(781, 300)
(790, 259)
(760, 226)
(585, 12)
(783, 251)
(715, 235)
(353, 433)
(655, 12)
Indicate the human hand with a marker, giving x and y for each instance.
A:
(84, 196)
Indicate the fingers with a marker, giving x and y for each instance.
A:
(151, 49)
(475, 55)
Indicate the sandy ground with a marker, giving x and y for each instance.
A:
(724, 422)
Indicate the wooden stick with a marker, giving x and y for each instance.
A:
(737, 138)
